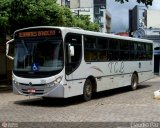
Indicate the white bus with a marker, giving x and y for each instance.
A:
(64, 62)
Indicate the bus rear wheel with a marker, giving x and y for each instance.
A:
(134, 82)
(87, 90)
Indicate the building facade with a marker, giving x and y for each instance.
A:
(95, 9)
(2, 61)
(102, 16)
(151, 18)
(64, 2)
(144, 24)
(82, 7)
(5, 65)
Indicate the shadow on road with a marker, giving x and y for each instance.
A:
(117, 91)
(51, 102)
(59, 102)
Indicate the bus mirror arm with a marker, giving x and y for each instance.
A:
(8, 48)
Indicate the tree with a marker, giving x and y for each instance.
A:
(83, 21)
(34, 13)
(146, 2)
(4, 15)
(16, 14)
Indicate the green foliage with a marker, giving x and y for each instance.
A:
(83, 21)
(68, 18)
(146, 2)
(16, 14)
(4, 15)
(34, 13)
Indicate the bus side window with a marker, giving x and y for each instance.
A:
(90, 50)
(114, 49)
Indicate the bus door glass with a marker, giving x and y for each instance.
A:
(72, 61)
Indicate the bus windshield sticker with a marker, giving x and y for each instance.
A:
(35, 67)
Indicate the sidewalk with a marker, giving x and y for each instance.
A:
(155, 78)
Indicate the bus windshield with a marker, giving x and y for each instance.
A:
(38, 54)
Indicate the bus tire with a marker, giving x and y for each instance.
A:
(87, 90)
(134, 82)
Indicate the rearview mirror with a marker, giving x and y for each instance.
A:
(71, 48)
(10, 49)
(70, 52)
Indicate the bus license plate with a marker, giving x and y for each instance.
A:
(31, 90)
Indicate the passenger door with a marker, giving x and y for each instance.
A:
(72, 62)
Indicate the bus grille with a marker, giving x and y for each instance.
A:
(32, 84)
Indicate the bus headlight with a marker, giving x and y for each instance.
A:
(56, 81)
(51, 84)
(15, 83)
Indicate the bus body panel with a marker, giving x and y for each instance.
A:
(74, 88)
(109, 75)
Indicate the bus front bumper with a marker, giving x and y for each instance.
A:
(43, 91)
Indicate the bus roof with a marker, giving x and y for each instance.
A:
(86, 32)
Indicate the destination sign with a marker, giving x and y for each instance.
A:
(37, 33)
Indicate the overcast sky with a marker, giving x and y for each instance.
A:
(119, 13)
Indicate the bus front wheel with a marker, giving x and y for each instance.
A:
(87, 90)
(134, 82)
